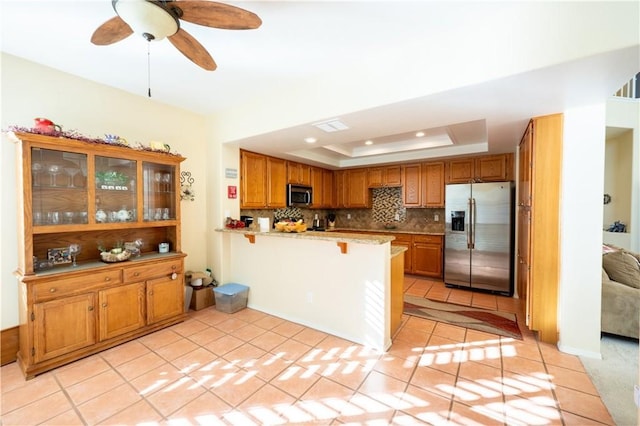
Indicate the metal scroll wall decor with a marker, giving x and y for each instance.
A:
(186, 190)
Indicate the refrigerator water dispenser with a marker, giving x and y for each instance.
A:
(457, 220)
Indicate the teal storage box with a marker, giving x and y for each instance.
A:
(231, 297)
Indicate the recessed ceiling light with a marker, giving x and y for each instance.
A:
(368, 142)
(310, 140)
(419, 134)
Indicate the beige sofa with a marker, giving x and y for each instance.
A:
(620, 292)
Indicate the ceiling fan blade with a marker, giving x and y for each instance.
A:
(115, 29)
(192, 49)
(216, 15)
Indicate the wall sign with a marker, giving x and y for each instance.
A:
(232, 191)
(231, 173)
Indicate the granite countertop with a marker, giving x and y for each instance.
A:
(396, 250)
(386, 231)
(340, 235)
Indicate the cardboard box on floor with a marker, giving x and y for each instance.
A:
(202, 297)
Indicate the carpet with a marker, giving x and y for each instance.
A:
(494, 322)
(615, 375)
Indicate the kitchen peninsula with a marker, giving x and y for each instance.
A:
(347, 285)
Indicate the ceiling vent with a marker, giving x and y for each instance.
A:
(329, 126)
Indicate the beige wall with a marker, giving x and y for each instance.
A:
(30, 90)
(617, 178)
(625, 114)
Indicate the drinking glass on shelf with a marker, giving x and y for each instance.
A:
(37, 218)
(158, 178)
(36, 168)
(53, 218)
(54, 170)
(166, 179)
(74, 249)
(158, 214)
(68, 217)
(165, 213)
(72, 172)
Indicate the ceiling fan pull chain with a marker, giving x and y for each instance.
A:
(149, 66)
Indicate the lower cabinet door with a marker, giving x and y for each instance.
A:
(63, 325)
(427, 259)
(121, 310)
(165, 298)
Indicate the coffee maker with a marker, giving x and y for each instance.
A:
(331, 220)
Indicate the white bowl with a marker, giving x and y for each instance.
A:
(196, 283)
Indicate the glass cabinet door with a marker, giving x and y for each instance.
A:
(159, 191)
(58, 187)
(115, 190)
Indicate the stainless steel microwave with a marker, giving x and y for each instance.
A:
(299, 195)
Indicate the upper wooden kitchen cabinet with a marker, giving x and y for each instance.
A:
(412, 185)
(328, 189)
(262, 181)
(433, 184)
(423, 185)
(384, 176)
(351, 189)
(486, 168)
(298, 173)
(95, 196)
(357, 189)
(323, 191)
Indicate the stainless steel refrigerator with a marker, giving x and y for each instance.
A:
(479, 236)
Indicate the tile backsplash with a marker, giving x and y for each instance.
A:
(386, 203)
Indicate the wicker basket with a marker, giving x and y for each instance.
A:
(291, 226)
(109, 257)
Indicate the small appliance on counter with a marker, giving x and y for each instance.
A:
(247, 220)
(331, 220)
(318, 224)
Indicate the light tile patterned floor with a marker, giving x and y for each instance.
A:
(250, 368)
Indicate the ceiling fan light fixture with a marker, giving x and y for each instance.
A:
(147, 18)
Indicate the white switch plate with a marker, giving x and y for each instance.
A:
(348, 215)
(636, 395)
(436, 218)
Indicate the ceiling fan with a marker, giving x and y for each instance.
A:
(157, 19)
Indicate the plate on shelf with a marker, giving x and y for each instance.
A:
(59, 255)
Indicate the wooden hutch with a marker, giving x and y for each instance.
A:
(94, 196)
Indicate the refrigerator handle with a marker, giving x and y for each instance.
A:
(472, 223)
(470, 226)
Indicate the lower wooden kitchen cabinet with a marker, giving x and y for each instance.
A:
(424, 254)
(427, 255)
(68, 315)
(404, 240)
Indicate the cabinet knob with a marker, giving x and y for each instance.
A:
(136, 274)
(52, 290)
(173, 267)
(174, 276)
(91, 308)
(150, 292)
(104, 305)
(107, 278)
